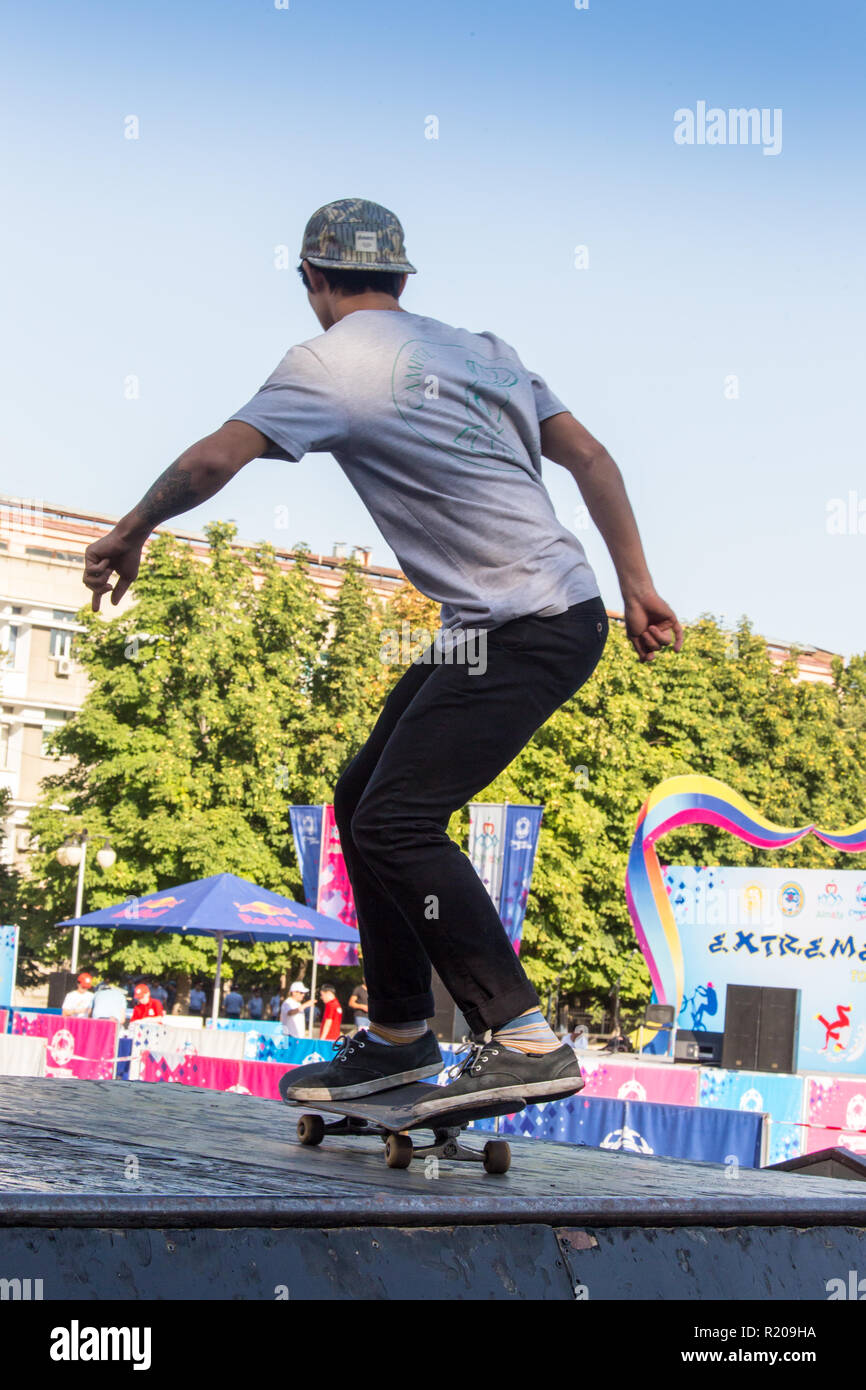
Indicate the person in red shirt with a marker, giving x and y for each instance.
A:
(332, 1016)
(145, 1006)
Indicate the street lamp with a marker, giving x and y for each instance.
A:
(72, 853)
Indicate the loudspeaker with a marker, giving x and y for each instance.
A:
(60, 982)
(742, 1019)
(447, 1023)
(698, 1047)
(761, 1028)
(780, 1026)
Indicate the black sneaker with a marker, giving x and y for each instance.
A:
(493, 1073)
(361, 1066)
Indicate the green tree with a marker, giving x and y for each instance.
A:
(186, 749)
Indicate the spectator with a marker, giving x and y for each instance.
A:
(332, 1017)
(171, 998)
(292, 1013)
(145, 1005)
(256, 1005)
(159, 992)
(197, 1000)
(276, 1005)
(233, 1003)
(79, 1002)
(360, 1003)
(109, 1001)
(578, 1038)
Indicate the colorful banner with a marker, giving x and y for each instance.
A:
(625, 1078)
(4, 1020)
(307, 834)
(77, 1047)
(215, 1074)
(635, 1127)
(335, 894)
(151, 1035)
(291, 1052)
(779, 1096)
(836, 1102)
(522, 826)
(9, 937)
(487, 844)
(701, 929)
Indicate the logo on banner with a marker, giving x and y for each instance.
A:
(855, 1113)
(521, 828)
(860, 899)
(831, 902)
(627, 1139)
(753, 897)
(266, 914)
(752, 1100)
(631, 1090)
(154, 907)
(791, 899)
(62, 1047)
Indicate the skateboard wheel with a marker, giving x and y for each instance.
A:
(398, 1151)
(311, 1129)
(497, 1156)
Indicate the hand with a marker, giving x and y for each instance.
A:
(114, 553)
(651, 624)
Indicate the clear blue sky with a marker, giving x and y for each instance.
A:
(155, 257)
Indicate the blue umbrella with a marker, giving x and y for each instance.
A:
(220, 906)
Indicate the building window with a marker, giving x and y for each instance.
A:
(9, 644)
(4, 745)
(60, 643)
(54, 720)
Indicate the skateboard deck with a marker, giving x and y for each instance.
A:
(391, 1114)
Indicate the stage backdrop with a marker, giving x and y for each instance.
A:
(803, 929)
(701, 929)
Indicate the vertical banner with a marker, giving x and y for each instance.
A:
(486, 844)
(307, 834)
(8, 963)
(522, 826)
(335, 894)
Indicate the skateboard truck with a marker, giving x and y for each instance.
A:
(399, 1147)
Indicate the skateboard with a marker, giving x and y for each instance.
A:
(391, 1114)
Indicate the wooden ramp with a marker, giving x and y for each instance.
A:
(113, 1186)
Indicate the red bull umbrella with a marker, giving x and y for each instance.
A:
(220, 906)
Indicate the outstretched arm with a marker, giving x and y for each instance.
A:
(649, 622)
(194, 477)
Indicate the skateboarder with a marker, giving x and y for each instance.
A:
(441, 431)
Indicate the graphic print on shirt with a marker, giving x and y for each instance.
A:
(420, 369)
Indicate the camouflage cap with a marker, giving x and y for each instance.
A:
(354, 234)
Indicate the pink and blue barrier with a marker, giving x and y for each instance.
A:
(642, 1127)
(780, 1097)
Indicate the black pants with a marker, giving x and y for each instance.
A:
(445, 732)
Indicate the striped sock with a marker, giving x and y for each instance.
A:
(529, 1032)
(396, 1034)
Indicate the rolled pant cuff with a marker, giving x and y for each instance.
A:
(404, 1010)
(494, 1012)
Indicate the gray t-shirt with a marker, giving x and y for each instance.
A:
(437, 430)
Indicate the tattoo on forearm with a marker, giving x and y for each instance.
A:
(173, 492)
